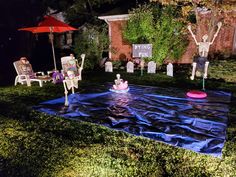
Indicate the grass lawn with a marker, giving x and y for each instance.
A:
(36, 144)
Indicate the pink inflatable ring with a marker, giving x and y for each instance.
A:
(119, 91)
(196, 94)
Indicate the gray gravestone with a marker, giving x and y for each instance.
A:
(169, 69)
(151, 67)
(108, 67)
(130, 67)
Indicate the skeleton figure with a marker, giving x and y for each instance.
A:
(120, 84)
(26, 67)
(201, 63)
(70, 83)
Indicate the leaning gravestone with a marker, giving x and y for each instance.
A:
(151, 67)
(108, 67)
(169, 69)
(130, 67)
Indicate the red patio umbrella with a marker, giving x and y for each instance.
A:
(50, 25)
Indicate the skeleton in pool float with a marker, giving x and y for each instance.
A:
(120, 84)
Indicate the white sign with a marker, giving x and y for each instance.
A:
(142, 50)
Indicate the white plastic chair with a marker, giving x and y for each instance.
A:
(69, 63)
(26, 75)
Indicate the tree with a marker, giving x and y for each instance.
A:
(94, 40)
(215, 6)
(160, 26)
(140, 27)
(80, 11)
(222, 4)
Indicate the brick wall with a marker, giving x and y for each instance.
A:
(223, 43)
(121, 50)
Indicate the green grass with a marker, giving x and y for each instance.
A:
(36, 144)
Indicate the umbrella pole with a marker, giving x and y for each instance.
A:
(53, 52)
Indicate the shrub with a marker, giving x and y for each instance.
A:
(92, 40)
(160, 26)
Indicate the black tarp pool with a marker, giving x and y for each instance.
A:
(163, 114)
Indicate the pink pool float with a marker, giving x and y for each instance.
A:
(196, 94)
(120, 86)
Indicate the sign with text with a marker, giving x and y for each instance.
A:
(142, 50)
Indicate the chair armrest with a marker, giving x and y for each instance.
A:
(63, 73)
(40, 73)
(49, 73)
(24, 75)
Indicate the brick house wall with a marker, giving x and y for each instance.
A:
(121, 49)
(225, 42)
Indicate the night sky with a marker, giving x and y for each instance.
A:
(13, 43)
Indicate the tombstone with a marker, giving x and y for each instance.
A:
(130, 67)
(151, 67)
(108, 67)
(169, 69)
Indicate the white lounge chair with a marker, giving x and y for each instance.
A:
(26, 75)
(69, 63)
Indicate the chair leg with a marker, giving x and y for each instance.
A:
(16, 80)
(28, 81)
(40, 83)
